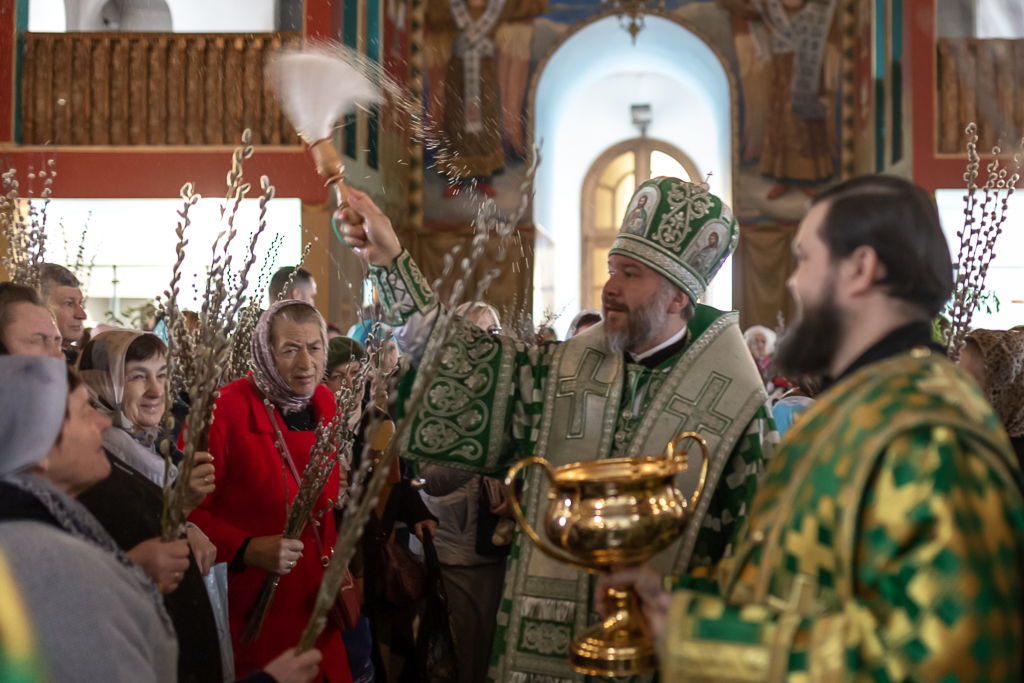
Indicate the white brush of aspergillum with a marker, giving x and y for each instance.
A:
(318, 84)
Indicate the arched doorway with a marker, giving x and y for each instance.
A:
(580, 107)
(607, 189)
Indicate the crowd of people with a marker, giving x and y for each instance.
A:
(849, 534)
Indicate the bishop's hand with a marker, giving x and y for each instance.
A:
(375, 240)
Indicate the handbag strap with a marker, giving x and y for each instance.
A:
(287, 457)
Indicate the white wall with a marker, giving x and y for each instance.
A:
(227, 16)
(583, 108)
(137, 236)
(187, 16)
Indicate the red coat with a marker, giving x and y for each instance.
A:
(249, 501)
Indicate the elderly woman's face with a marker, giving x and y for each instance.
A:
(758, 346)
(343, 375)
(299, 355)
(143, 399)
(77, 462)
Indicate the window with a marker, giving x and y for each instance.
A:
(607, 189)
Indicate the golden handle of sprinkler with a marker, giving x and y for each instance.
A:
(330, 166)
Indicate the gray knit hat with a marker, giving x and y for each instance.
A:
(33, 399)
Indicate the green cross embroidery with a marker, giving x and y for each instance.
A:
(578, 387)
(703, 408)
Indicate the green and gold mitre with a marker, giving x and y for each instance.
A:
(680, 230)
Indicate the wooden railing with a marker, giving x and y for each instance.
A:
(150, 89)
(980, 81)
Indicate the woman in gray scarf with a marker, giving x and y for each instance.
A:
(97, 616)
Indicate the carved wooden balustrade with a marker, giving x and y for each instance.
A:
(150, 89)
(980, 81)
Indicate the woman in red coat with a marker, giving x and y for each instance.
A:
(245, 515)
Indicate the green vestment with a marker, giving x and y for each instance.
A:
(495, 400)
(886, 543)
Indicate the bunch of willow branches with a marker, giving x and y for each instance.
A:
(365, 489)
(301, 510)
(979, 234)
(24, 227)
(224, 296)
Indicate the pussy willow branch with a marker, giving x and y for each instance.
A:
(300, 512)
(291, 276)
(24, 227)
(978, 236)
(168, 521)
(217, 320)
(364, 497)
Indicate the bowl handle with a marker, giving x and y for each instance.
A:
(550, 551)
(680, 459)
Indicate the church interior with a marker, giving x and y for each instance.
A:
(571, 341)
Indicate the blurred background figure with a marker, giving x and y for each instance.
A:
(62, 294)
(583, 321)
(26, 326)
(761, 342)
(995, 358)
(298, 281)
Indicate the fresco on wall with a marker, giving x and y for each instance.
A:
(785, 57)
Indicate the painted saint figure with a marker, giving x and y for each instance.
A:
(636, 221)
(705, 258)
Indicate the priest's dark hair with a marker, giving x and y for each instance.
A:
(277, 283)
(900, 221)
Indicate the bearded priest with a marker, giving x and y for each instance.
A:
(659, 364)
(886, 542)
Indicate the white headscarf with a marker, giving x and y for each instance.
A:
(769, 337)
(33, 399)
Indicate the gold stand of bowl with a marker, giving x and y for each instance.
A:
(621, 645)
(607, 514)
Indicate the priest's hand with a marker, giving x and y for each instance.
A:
(203, 549)
(293, 668)
(273, 554)
(647, 584)
(165, 563)
(201, 483)
(375, 240)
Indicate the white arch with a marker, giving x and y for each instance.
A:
(582, 107)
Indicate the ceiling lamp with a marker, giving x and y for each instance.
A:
(631, 12)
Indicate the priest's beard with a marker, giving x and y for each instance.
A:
(811, 343)
(641, 324)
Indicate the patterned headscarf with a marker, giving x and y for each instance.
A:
(264, 368)
(1004, 374)
(105, 380)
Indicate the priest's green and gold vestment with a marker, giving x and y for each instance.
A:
(495, 400)
(886, 543)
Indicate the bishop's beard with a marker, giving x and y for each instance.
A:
(811, 343)
(641, 324)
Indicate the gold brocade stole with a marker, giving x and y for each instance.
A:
(844, 433)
